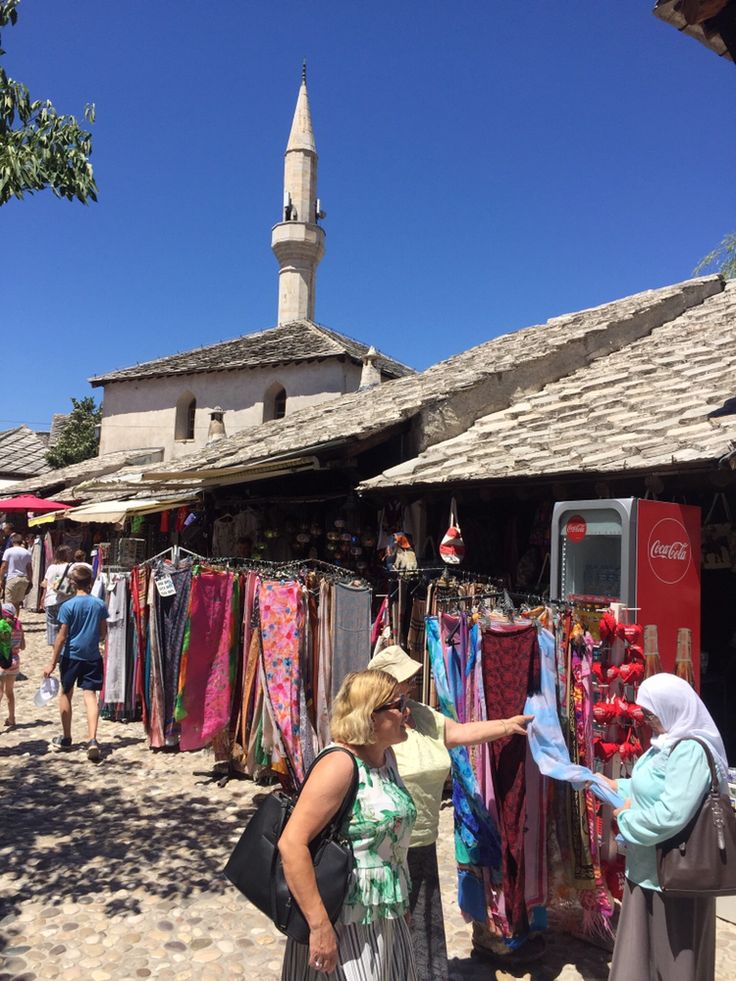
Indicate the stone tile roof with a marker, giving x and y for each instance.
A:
(22, 453)
(59, 483)
(301, 340)
(447, 398)
(716, 31)
(643, 407)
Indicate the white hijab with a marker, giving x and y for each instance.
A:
(682, 713)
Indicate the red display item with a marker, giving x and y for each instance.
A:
(633, 634)
(614, 875)
(612, 673)
(636, 653)
(604, 751)
(636, 714)
(631, 673)
(621, 708)
(597, 670)
(630, 749)
(604, 712)
(607, 626)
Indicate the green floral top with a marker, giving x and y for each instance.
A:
(380, 829)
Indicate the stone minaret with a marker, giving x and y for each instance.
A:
(298, 241)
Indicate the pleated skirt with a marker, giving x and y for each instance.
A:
(664, 938)
(380, 951)
(427, 921)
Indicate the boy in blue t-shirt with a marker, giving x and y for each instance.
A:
(83, 627)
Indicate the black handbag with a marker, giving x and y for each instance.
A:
(255, 865)
(701, 859)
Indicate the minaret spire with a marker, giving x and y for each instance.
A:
(298, 239)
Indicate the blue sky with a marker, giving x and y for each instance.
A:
(484, 166)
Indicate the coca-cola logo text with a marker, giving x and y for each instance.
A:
(669, 551)
(576, 528)
(677, 551)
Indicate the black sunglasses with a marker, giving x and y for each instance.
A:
(398, 703)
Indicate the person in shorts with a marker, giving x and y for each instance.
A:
(82, 627)
(16, 571)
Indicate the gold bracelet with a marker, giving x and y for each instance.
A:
(505, 727)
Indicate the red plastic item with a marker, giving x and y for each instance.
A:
(633, 634)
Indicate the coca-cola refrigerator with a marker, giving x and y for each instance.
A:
(643, 554)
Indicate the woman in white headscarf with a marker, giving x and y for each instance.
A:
(661, 936)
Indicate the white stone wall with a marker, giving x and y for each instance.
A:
(141, 414)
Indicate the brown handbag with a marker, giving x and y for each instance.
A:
(701, 859)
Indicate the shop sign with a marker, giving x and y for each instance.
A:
(669, 551)
(576, 528)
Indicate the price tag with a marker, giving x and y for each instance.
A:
(165, 585)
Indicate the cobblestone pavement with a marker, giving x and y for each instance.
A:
(114, 871)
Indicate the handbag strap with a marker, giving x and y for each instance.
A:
(347, 804)
(714, 779)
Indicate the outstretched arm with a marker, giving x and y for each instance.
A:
(475, 733)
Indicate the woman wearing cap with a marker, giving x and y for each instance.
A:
(663, 936)
(424, 766)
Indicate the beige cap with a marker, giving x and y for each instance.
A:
(396, 662)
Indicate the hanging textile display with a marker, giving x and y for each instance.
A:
(510, 673)
(205, 678)
(351, 630)
(282, 629)
(227, 655)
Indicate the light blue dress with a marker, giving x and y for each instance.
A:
(666, 789)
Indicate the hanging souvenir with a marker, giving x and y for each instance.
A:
(452, 546)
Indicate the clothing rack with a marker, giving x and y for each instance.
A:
(291, 568)
(447, 573)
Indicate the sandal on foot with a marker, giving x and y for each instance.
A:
(93, 751)
(59, 743)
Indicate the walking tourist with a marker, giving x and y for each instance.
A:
(16, 571)
(12, 642)
(371, 938)
(659, 935)
(57, 575)
(82, 627)
(424, 766)
(7, 535)
(80, 558)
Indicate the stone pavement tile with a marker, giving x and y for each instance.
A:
(116, 869)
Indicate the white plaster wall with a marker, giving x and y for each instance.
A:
(141, 414)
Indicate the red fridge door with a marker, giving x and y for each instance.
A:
(668, 575)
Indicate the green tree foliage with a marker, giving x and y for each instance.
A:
(722, 259)
(38, 147)
(77, 440)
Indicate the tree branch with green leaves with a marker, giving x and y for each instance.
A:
(40, 148)
(78, 439)
(722, 259)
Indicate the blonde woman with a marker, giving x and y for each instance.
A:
(371, 940)
(424, 765)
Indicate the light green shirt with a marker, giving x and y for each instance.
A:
(424, 765)
(666, 789)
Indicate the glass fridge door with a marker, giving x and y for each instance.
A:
(590, 550)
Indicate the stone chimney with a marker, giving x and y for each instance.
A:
(370, 376)
(217, 426)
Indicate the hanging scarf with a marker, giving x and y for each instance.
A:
(546, 741)
(477, 842)
(510, 673)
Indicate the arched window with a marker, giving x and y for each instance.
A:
(274, 402)
(186, 413)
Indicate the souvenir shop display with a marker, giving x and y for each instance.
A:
(642, 553)
(239, 654)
